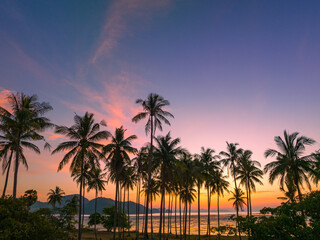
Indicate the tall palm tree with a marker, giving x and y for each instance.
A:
(248, 173)
(210, 165)
(153, 111)
(166, 154)
(221, 186)
(96, 182)
(199, 178)
(187, 192)
(154, 193)
(140, 167)
(230, 160)
(290, 164)
(84, 176)
(55, 196)
(117, 159)
(83, 147)
(26, 122)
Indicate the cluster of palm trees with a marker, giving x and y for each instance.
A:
(161, 168)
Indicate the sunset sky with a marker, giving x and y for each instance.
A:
(236, 71)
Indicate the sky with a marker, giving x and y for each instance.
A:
(236, 71)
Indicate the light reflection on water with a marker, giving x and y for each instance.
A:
(224, 221)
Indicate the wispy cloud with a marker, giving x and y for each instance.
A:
(119, 17)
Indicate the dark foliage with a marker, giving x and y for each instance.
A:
(287, 221)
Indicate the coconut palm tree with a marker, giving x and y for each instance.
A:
(166, 154)
(96, 182)
(249, 174)
(55, 196)
(82, 148)
(84, 176)
(187, 172)
(291, 165)
(210, 165)
(199, 179)
(117, 159)
(230, 160)
(153, 111)
(26, 122)
(140, 167)
(238, 198)
(221, 186)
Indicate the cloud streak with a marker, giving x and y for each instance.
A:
(118, 20)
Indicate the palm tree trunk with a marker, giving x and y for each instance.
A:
(84, 188)
(168, 229)
(15, 180)
(7, 175)
(115, 211)
(149, 179)
(151, 216)
(180, 226)
(128, 204)
(123, 211)
(209, 201)
(95, 215)
(199, 211)
(189, 218)
(143, 222)
(218, 216)
(80, 202)
(175, 214)
(185, 220)
(247, 192)
(161, 208)
(164, 212)
(250, 202)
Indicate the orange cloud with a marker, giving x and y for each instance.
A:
(4, 93)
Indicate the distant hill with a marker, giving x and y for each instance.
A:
(89, 205)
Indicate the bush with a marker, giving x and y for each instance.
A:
(16, 222)
(286, 221)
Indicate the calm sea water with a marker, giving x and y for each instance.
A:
(224, 221)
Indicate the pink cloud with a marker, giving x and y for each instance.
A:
(4, 93)
(119, 16)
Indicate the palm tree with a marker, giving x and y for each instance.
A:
(154, 193)
(187, 193)
(55, 196)
(83, 147)
(249, 174)
(199, 178)
(84, 176)
(290, 164)
(166, 154)
(25, 121)
(153, 111)
(97, 183)
(221, 186)
(117, 159)
(208, 158)
(238, 198)
(230, 160)
(140, 168)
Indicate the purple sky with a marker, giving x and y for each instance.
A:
(237, 71)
